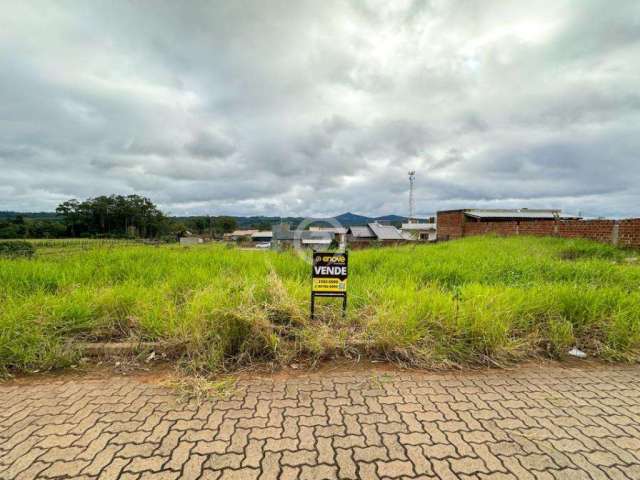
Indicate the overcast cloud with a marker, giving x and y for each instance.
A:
(319, 107)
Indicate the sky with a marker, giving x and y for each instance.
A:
(315, 108)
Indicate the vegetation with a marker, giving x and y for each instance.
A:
(16, 249)
(117, 216)
(20, 226)
(113, 216)
(211, 226)
(476, 300)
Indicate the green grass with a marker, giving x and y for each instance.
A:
(477, 300)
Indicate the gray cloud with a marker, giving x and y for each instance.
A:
(307, 108)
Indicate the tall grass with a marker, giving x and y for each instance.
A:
(482, 299)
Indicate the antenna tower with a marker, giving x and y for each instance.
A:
(412, 203)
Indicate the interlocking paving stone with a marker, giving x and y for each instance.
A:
(547, 422)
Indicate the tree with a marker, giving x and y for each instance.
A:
(262, 226)
(113, 215)
(224, 224)
(70, 212)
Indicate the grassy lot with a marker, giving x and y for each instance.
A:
(477, 300)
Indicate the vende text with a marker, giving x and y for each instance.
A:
(330, 271)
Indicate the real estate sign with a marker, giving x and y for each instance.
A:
(330, 271)
(329, 277)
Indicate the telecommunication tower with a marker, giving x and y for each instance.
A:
(412, 203)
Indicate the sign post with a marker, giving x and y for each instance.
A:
(329, 276)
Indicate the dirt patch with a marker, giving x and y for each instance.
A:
(160, 371)
(147, 373)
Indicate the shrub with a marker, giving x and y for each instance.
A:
(16, 248)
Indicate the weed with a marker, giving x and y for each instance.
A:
(199, 388)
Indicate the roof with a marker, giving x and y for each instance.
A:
(309, 235)
(264, 234)
(281, 232)
(418, 226)
(242, 233)
(323, 241)
(515, 213)
(385, 232)
(335, 230)
(361, 232)
(316, 237)
(408, 236)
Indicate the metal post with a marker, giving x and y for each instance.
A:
(313, 305)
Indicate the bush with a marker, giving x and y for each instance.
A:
(16, 249)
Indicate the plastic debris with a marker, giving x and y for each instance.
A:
(575, 352)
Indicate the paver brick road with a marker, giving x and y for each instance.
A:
(543, 423)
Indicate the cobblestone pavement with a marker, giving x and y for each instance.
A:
(525, 423)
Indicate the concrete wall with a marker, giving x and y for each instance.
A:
(625, 233)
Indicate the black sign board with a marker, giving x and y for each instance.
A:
(329, 276)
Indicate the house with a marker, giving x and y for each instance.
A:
(281, 236)
(357, 234)
(420, 231)
(339, 234)
(374, 233)
(386, 233)
(317, 239)
(238, 235)
(261, 237)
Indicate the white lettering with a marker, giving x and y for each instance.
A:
(330, 270)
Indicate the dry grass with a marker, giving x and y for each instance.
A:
(198, 388)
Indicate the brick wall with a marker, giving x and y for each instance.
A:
(629, 232)
(450, 225)
(625, 233)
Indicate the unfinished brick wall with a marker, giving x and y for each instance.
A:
(598, 230)
(625, 233)
(629, 232)
(450, 225)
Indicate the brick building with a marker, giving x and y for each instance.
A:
(454, 224)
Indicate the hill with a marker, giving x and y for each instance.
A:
(346, 219)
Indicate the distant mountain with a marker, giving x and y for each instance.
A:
(352, 219)
(246, 222)
(346, 219)
(391, 218)
(349, 218)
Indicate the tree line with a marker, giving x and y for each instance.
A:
(113, 216)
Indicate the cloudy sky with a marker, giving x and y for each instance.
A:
(320, 107)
